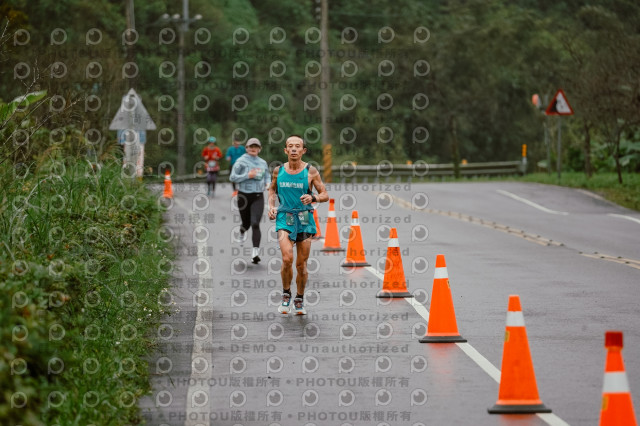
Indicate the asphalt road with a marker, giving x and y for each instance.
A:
(228, 358)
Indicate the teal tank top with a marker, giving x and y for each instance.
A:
(290, 188)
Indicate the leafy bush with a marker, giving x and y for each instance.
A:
(83, 274)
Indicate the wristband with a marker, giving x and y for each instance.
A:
(313, 198)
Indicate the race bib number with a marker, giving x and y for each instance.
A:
(290, 221)
(303, 217)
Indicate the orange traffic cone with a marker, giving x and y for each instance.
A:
(168, 191)
(355, 250)
(442, 326)
(315, 218)
(518, 392)
(394, 284)
(617, 407)
(331, 239)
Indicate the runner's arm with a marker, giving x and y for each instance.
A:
(273, 210)
(316, 182)
(238, 172)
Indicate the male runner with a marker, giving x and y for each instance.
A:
(292, 185)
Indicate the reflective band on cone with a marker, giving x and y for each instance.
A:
(615, 383)
(515, 319)
(440, 273)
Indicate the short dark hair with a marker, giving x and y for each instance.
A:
(304, 143)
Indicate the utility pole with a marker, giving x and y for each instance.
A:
(325, 90)
(547, 143)
(182, 29)
(133, 150)
(182, 24)
(131, 30)
(559, 149)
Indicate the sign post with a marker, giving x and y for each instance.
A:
(132, 121)
(559, 106)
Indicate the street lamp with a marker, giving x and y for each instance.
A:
(182, 24)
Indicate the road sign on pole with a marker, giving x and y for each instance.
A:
(132, 121)
(559, 105)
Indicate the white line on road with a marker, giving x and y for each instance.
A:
(624, 217)
(198, 398)
(530, 203)
(471, 352)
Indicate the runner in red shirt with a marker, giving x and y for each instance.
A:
(211, 155)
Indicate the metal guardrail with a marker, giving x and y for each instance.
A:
(424, 170)
(386, 171)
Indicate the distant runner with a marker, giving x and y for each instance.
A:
(292, 185)
(252, 175)
(234, 152)
(211, 155)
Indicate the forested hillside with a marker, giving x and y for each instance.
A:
(411, 80)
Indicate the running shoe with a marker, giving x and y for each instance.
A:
(255, 260)
(298, 306)
(284, 307)
(242, 237)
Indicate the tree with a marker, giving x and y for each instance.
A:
(604, 52)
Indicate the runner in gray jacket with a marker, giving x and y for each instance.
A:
(251, 173)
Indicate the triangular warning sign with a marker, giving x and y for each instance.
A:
(132, 114)
(559, 105)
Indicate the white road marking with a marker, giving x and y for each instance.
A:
(478, 221)
(199, 381)
(624, 217)
(530, 203)
(471, 352)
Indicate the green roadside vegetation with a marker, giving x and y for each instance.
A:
(84, 269)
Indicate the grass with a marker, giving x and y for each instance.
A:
(84, 273)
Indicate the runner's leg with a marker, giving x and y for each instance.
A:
(303, 248)
(257, 208)
(213, 183)
(245, 212)
(286, 248)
